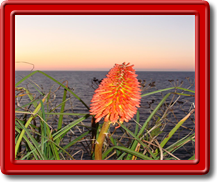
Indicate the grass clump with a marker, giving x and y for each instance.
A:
(45, 129)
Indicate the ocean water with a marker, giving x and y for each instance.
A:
(82, 84)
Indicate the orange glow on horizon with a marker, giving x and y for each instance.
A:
(73, 43)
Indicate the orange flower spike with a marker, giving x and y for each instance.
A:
(118, 95)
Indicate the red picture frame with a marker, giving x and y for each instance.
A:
(119, 7)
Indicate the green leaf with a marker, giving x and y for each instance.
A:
(138, 140)
(26, 77)
(132, 152)
(166, 89)
(64, 130)
(33, 140)
(175, 146)
(137, 125)
(26, 125)
(35, 153)
(192, 158)
(146, 122)
(171, 133)
(59, 126)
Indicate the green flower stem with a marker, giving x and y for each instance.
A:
(100, 140)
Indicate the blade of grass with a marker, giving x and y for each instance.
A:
(59, 105)
(43, 129)
(104, 155)
(29, 143)
(132, 152)
(56, 113)
(33, 140)
(30, 97)
(59, 126)
(50, 142)
(26, 125)
(121, 156)
(166, 89)
(26, 77)
(36, 87)
(27, 92)
(72, 114)
(52, 145)
(55, 152)
(192, 158)
(35, 101)
(146, 122)
(189, 95)
(137, 126)
(138, 140)
(185, 89)
(175, 146)
(113, 140)
(74, 141)
(64, 130)
(163, 143)
(152, 114)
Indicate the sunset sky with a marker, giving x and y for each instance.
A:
(97, 42)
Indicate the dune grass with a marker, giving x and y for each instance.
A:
(41, 132)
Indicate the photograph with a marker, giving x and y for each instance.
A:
(104, 87)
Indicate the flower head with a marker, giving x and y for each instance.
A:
(117, 96)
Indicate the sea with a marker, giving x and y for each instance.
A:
(83, 84)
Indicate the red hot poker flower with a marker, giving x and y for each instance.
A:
(117, 96)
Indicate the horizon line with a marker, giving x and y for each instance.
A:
(109, 69)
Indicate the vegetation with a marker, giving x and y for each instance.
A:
(41, 132)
